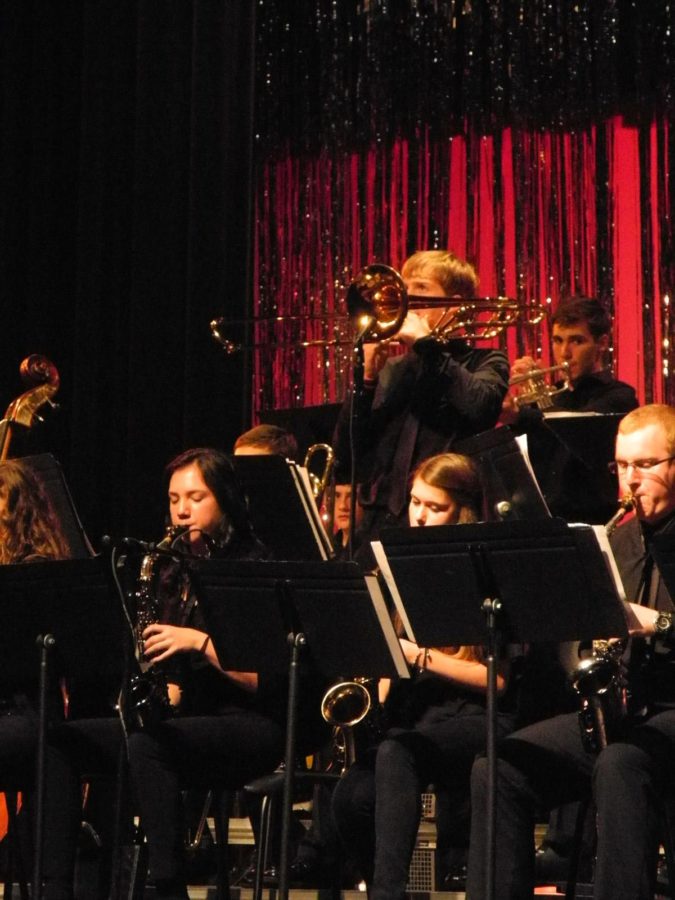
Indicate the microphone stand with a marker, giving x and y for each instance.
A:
(358, 365)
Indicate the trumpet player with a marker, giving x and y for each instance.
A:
(545, 764)
(580, 341)
(577, 488)
(415, 405)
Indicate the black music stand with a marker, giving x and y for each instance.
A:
(71, 610)
(48, 470)
(569, 454)
(282, 509)
(510, 489)
(504, 583)
(265, 616)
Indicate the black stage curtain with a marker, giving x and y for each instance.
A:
(125, 155)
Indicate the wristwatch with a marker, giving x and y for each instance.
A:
(663, 623)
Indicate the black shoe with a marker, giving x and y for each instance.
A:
(455, 880)
(552, 867)
(247, 877)
(311, 873)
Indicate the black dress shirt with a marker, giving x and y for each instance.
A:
(651, 661)
(423, 402)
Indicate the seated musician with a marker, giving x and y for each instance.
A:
(574, 490)
(225, 730)
(547, 763)
(436, 723)
(29, 533)
(266, 440)
(29, 528)
(342, 506)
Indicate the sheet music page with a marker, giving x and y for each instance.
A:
(383, 563)
(600, 532)
(521, 440)
(603, 542)
(387, 626)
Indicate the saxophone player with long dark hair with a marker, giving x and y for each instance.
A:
(548, 763)
(222, 731)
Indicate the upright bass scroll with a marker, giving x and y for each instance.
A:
(23, 411)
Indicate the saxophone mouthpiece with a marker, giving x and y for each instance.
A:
(626, 505)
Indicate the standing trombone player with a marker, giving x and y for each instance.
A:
(415, 405)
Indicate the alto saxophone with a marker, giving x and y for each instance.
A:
(149, 690)
(599, 680)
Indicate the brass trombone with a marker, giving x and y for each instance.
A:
(319, 482)
(377, 303)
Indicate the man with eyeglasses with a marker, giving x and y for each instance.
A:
(545, 764)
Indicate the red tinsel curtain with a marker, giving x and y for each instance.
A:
(542, 214)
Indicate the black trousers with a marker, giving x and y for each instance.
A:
(87, 749)
(545, 765)
(226, 750)
(377, 804)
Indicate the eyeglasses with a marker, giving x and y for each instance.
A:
(644, 465)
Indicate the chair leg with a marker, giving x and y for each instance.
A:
(266, 810)
(222, 810)
(575, 855)
(668, 848)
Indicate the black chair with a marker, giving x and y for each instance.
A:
(270, 789)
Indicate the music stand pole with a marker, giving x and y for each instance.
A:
(45, 643)
(296, 643)
(357, 390)
(491, 607)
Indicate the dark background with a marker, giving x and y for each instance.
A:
(127, 169)
(125, 153)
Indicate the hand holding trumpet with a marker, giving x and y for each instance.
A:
(530, 385)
